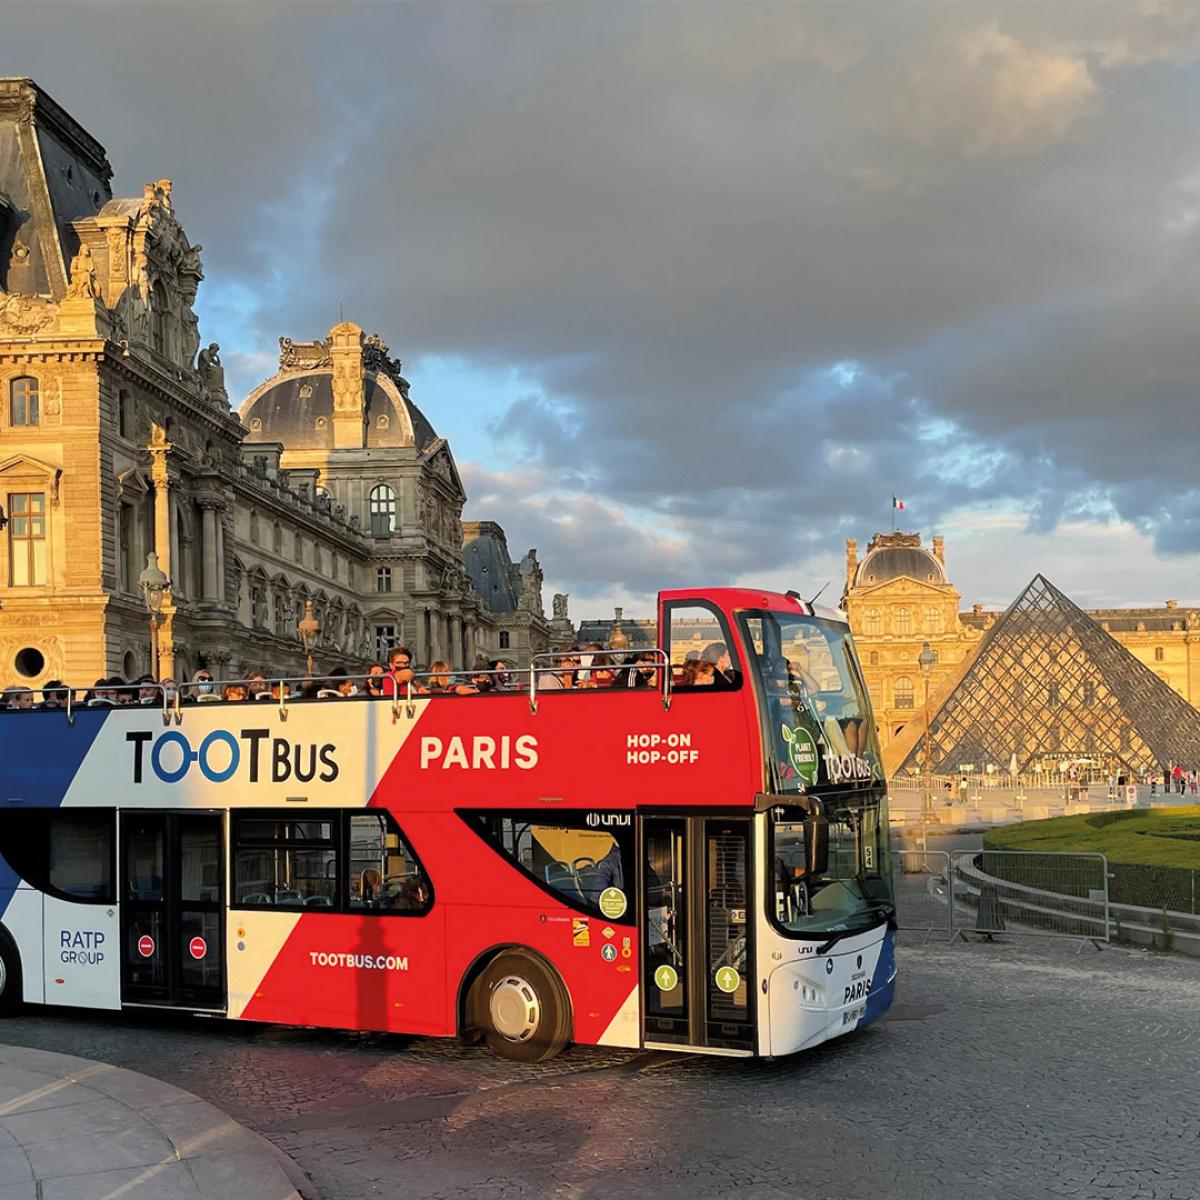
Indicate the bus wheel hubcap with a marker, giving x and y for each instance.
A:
(514, 1009)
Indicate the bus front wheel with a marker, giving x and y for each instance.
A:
(523, 1008)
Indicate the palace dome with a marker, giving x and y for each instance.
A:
(297, 410)
(888, 558)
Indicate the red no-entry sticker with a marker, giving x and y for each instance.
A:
(198, 947)
(146, 945)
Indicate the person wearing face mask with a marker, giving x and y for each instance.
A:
(147, 690)
(169, 688)
(202, 687)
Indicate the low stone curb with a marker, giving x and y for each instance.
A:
(73, 1129)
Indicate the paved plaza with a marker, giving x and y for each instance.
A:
(1004, 1070)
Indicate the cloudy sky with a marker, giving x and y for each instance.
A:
(695, 289)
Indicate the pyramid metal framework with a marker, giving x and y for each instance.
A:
(1049, 684)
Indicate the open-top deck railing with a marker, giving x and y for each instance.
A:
(402, 696)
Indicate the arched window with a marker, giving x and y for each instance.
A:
(903, 620)
(871, 621)
(383, 510)
(933, 620)
(1158, 654)
(23, 405)
(902, 695)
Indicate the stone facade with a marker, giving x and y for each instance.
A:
(117, 439)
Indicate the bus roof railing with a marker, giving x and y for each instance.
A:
(280, 687)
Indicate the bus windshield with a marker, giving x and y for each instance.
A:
(851, 890)
(819, 730)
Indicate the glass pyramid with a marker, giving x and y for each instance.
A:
(1049, 685)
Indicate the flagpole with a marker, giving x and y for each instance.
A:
(893, 514)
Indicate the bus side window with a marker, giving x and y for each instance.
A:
(384, 873)
(699, 647)
(64, 853)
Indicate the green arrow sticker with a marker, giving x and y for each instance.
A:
(613, 903)
(728, 980)
(666, 978)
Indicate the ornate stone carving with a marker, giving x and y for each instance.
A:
(25, 315)
(211, 369)
(375, 358)
(303, 356)
(83, 276)
(560, 606)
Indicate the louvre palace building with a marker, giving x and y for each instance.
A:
(1044, 658)
(118, 440)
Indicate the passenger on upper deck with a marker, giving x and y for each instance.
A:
(148, 692)
(374, 681)
(258, 688)
(562, 678)
(717, 653)
(18, 698)
(101, 695)
(400, 671)
(54, 694)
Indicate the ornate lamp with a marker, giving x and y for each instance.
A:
(309, 629)
(154, 586)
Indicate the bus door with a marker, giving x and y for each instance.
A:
(172, 909)
(697, 961)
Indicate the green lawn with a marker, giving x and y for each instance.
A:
(1157, 837)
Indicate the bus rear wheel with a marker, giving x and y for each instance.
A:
(523, 1008)
(10, 977)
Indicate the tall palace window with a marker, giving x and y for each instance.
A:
(26, 539)
(383, 510)
(903, 695)
(871, 621)
(903, 620)
(24, 407)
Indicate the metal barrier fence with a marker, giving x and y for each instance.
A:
(922, 882)
(1003, 891)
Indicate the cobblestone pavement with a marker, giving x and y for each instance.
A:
(1004, 1070)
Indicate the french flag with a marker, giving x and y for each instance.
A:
(897, 503)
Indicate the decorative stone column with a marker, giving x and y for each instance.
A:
(208, 543)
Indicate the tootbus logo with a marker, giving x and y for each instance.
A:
(221, 754)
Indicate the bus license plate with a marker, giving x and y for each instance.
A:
(852, 1015)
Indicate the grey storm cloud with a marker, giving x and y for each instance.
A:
(767, 264)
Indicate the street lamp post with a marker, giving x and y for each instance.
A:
(925, 661)
(155, 586)
(308, 627)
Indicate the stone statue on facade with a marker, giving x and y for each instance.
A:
(212, 372)
(83, 284)
(560, 606)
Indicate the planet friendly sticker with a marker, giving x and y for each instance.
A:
(802, 752)
(665, 978)
(728, 979)
(612, 902)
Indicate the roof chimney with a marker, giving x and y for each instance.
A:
(939, 550)
(851, 561)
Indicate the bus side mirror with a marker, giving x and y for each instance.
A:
(816, 847)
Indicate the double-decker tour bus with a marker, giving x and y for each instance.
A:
(655, 864)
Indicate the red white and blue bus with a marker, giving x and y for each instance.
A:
(691, 868)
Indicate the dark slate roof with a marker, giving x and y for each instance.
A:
(487, 565)
(62, 171)
(892, 562)
(298, 411)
